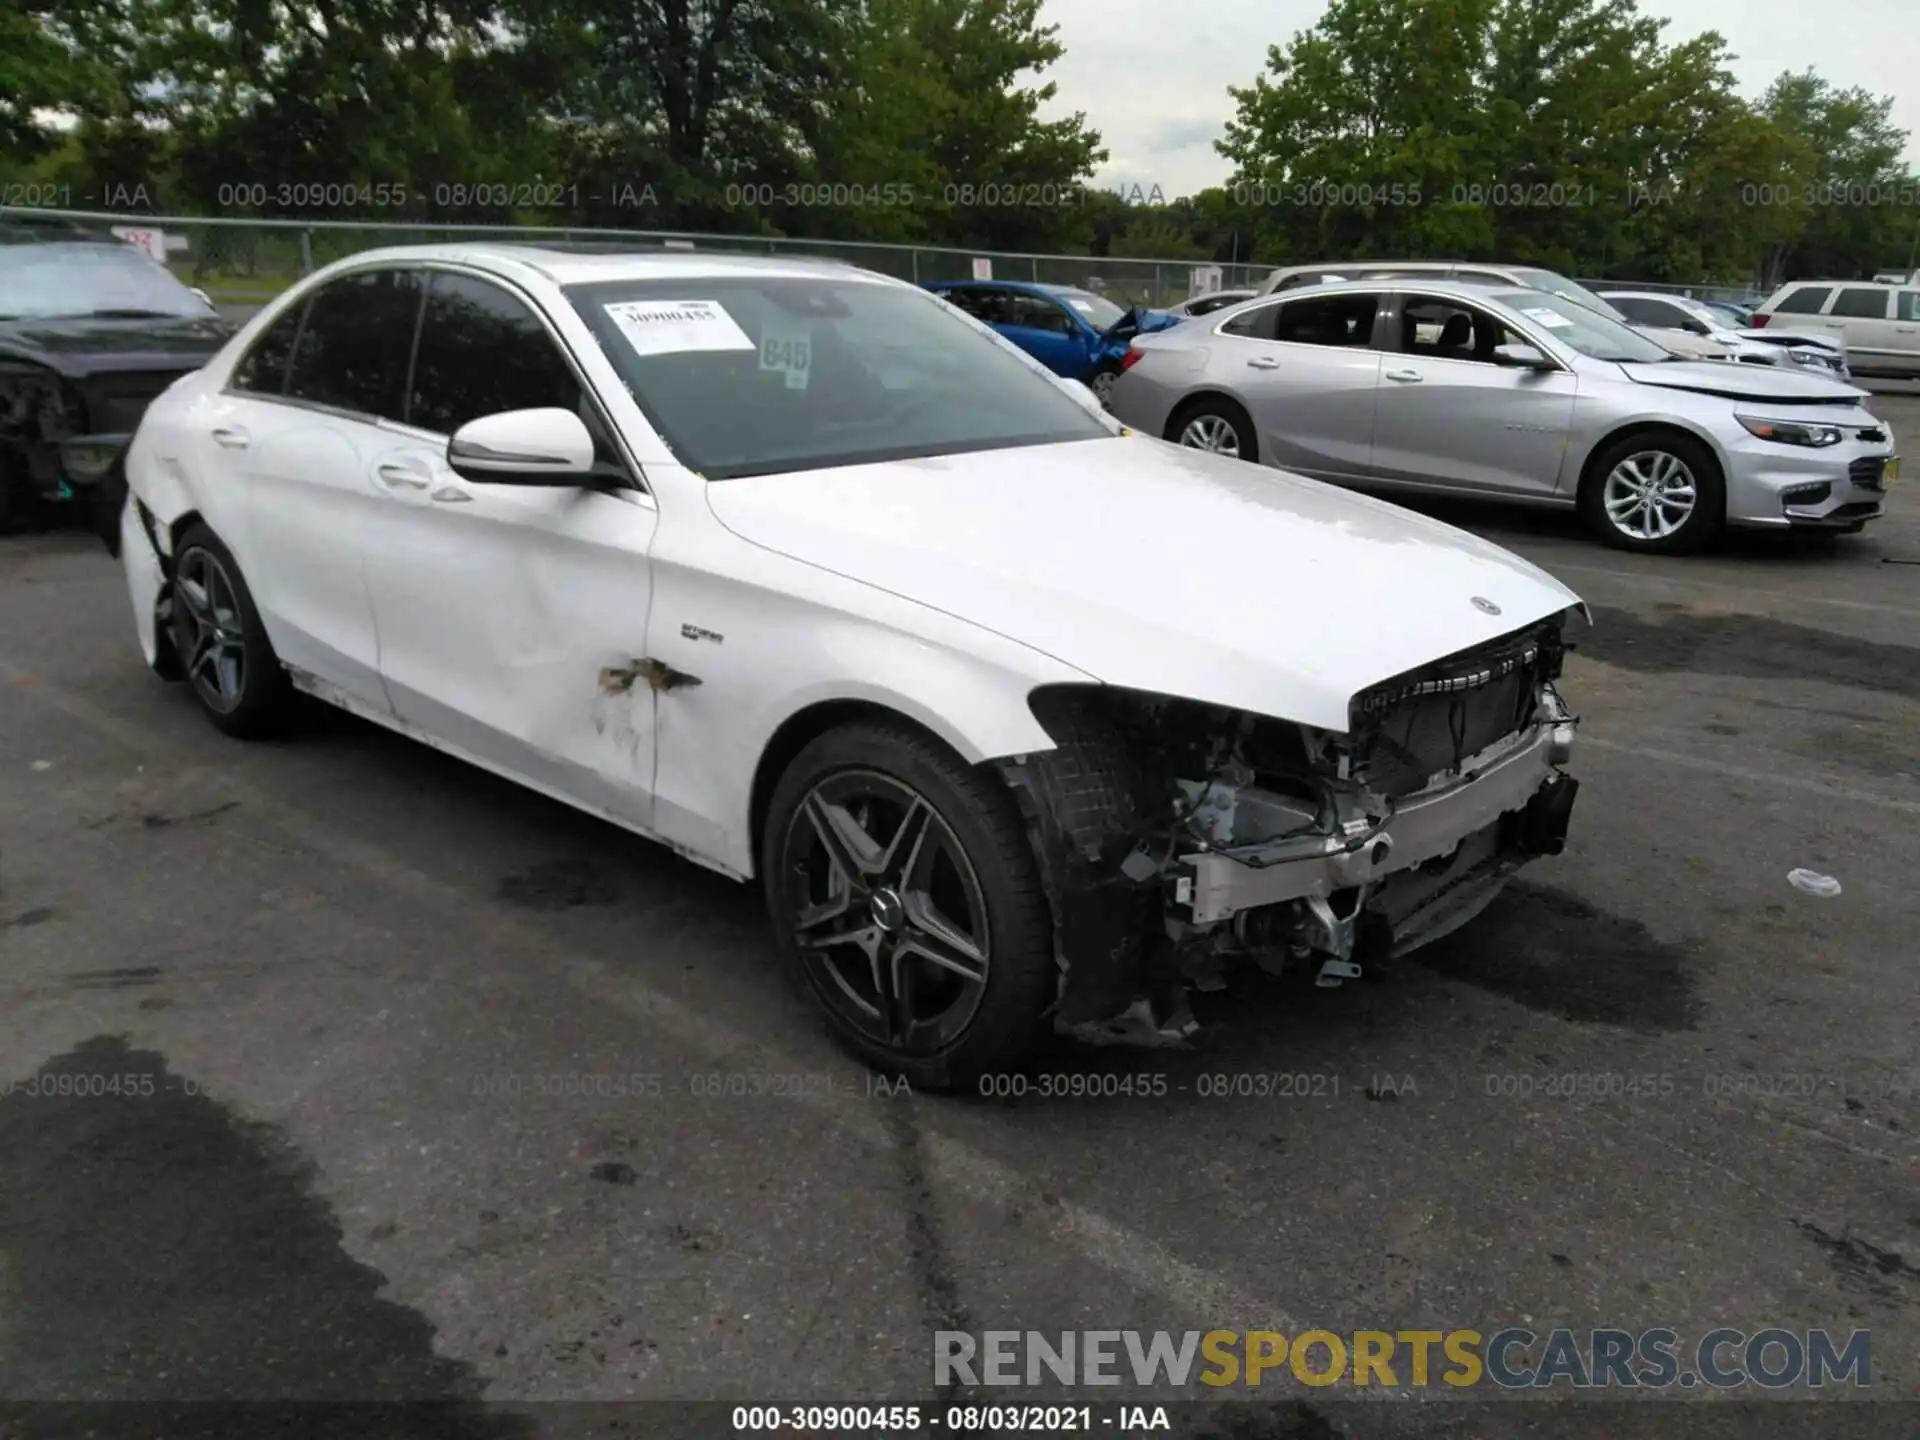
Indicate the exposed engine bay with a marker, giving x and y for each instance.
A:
(1186, 846)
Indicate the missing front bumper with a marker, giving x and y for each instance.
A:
(1422, 828)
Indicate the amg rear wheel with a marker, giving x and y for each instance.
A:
(902, 889)
(222, 646)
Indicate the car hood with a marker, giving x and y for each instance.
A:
(1683, 342)
(1814, 338)
(1745, 382)
(1158, 568)
(78, 347)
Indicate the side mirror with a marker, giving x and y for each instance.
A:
(523, 447)
(1521, 357)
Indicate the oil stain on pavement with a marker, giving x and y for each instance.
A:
(1554, 952)
(161, 1257)
(1753, 647)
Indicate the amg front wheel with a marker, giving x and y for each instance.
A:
(904, 893)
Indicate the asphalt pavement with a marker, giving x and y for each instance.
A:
(342, 1071)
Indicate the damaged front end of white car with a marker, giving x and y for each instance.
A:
(1187, 846)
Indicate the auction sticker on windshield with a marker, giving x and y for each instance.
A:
(1552, 319)
(667, 327)
(788, 349)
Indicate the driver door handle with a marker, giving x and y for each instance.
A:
(1409, 376)
(397, 476)
(1264, 362)
(233, 437)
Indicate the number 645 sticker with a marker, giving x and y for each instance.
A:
(787, 350)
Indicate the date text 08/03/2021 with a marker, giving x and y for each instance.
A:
(905, 1420)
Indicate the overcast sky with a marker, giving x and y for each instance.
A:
(1152, 77)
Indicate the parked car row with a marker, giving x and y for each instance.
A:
(1877, 324)
(1417, 384)
(1823, 353)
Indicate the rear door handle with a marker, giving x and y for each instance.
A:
(399, 476)
(1264, 362)
(1408, 376)
(234, 437)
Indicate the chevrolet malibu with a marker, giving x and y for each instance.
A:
(800, 571)
(1440, 387)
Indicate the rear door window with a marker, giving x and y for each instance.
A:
(352, 352)
(1807, 300)
(1858, 303)
(1909, 305)
(1333, 320)
(1256, 324)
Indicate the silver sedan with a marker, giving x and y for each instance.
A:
(1511, 395)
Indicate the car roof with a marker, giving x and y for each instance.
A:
(1442, 287)
(1852, 284)
(1029, 285)
(50, 232)
(586, 264)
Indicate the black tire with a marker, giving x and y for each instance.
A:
(866, 771)
(19, 506)
(215, 623)
(1651, 453)
(1196, 414)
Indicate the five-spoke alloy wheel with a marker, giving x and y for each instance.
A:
(901, 883)
(213, 632)
(893, 926)
(221, 643)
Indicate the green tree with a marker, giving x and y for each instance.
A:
(1157, 237)
(1844, 175)
(942, 96)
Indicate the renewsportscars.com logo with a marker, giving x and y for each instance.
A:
(1773, 1358)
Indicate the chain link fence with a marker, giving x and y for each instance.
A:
(250, 261)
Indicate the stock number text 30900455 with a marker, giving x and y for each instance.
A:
(929, 1420)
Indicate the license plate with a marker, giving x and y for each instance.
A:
(1890, 472)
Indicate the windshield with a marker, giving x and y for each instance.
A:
(1554, 283)
(1096, 310)
(1704, 313)
(756, 376)
(1580, 327)
(82, 278)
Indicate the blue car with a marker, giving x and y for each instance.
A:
(1072, 332)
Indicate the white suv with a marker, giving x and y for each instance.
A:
(1879, 324)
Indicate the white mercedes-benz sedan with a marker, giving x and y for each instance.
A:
(1022, 721)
